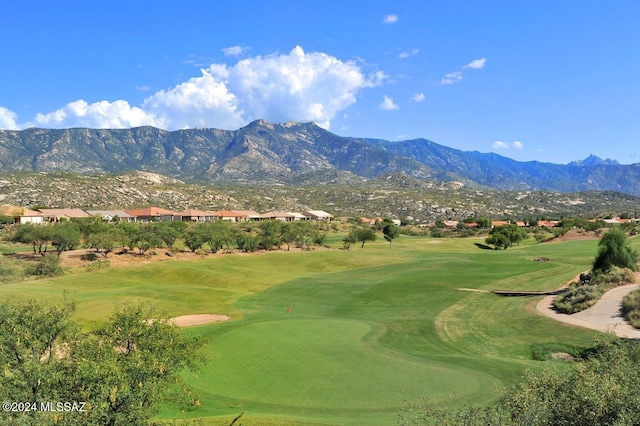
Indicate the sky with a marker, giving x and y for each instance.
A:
(551, 81)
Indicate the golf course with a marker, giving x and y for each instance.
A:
(351, 337)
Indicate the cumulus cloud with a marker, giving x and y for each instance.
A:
(476, 64)
(8, 119)
(418, 97)
(101, 115)
(451, 78)
(234, 50)
(281, 87)
(390, 19)
(407, 53)
(507, 145)
(387, 104)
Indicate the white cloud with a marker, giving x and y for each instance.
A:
(280, 87)
(390, 19)
(451, 78)
(234, 50)
(456, 76)
(407, 53)
(101, 115)
(476, 64)
(8, 119)
(418, 97)
(387, 104)
(507, 145)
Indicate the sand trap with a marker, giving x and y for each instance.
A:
(199, 319)
(474, 289)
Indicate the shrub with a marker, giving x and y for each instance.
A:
(631, 308)
(49, 266)
(91, 257)
(585, 293)
(578, 298)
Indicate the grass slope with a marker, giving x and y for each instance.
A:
(369, 329)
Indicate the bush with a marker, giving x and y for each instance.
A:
(631, 308)
(578, 298)
(91, 257)
(585, 293)
(100, 264)
(49, 266)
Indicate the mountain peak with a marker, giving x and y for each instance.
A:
(594, 160)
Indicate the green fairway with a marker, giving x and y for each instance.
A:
(346, 336)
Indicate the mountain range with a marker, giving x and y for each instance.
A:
(293, 153)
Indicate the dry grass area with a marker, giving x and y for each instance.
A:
(579, 234)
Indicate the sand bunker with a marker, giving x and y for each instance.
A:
(199, 319)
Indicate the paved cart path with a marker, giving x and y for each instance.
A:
(603, 316)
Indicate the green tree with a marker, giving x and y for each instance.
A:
(195, 237)
(219, 235)
(270, 234)
(122, 370)
(105, 242)
(362, 234)
(167, 233)
(37, 236)
(65, 236)
(506, 236)
(390, 232)
(613, 250)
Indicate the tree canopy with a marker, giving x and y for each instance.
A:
(613, 250)
(122, 370)
(505, 236)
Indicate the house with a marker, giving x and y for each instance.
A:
(283, 216)
(318, 215)
(198, 216)
(113, 215)
(57, 215)
(495, 223)
(548, 223)
(154, 214)
(23, 215)
(298, 217)
(230, 215)
(249, 214)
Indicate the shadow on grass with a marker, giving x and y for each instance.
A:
(483, 246)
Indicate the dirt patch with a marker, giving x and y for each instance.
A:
(540, 259)
(198, 319)
(577, 234)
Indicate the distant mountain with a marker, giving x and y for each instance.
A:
(293, 153)
(594, 160)
(496, 171)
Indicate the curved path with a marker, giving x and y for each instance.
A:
(605, 315)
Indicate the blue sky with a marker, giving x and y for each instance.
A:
(550, 81)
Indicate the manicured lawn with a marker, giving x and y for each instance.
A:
(369, 330)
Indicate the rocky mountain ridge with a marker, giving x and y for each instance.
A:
(293, 153)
